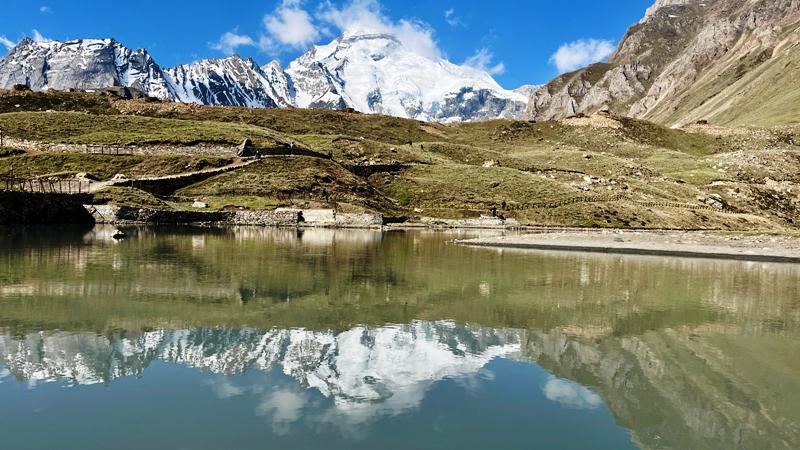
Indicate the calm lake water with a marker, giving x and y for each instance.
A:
(285, 339)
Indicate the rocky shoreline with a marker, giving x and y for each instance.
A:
(694, 244)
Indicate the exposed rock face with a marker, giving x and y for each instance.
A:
(230, 81)
(368, 72)
(82, 64)
(689, 60)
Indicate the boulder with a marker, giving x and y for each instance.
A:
(246, 149)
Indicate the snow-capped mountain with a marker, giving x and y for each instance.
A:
(231, 81)
(376, 73)
(83, 64)
(369, 72)
(361, 365)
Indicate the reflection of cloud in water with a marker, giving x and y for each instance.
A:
(4, 373)
(283, 407)
(570, 394)
(224, 388)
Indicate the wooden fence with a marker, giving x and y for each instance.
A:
(45, 185)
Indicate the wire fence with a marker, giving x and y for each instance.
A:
(44, 185)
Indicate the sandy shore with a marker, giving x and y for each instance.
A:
(770, 248)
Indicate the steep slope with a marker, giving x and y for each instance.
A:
(231, 81)
(371, 73)
(82, 64)
(727, 61)
(376, 73)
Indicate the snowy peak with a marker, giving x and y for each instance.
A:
(375, 73)
(82, 64)
(371, 72)
(232, 81)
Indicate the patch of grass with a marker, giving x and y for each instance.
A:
(288, 178)
(387, 129)
(79, 128)
(104, 167)
(100, 166)
(125, 196)
(174, 164)
(448, 186)
(356, 151)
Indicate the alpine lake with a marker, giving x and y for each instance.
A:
(204, 338)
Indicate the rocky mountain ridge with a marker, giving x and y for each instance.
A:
(368, 72)
(731, 62)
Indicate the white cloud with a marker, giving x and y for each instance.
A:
(482, 60)
(6, 42)
(581, 53)
(291, 26)
(38, 36)
(230, 41)
(366, 15)
(45, 10)
(570, 394)
(284, 407)
(452, 19)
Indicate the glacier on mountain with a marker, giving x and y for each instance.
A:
(369, 72)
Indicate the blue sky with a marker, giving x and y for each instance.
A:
(519, 42)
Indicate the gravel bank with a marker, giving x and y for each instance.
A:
(769, 248)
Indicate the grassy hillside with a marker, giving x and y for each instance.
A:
(600, 170)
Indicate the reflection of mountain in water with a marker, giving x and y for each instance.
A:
(672, 389)
(685, 391)
(357, 366)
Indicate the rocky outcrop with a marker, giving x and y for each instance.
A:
(229, 81)
(689, 60)
(82, 64)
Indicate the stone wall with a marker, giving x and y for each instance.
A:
(286, 218)
(139, 150)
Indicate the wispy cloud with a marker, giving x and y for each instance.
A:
(367, 15)
(229, 42)
(38, 37)
(452, 19)
(483, 60)
(291, 27)
(45, 9)
(6, 42)
(581, 53)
